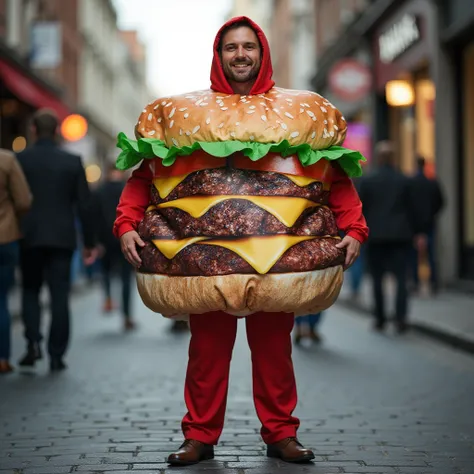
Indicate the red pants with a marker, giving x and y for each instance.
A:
(207, 378)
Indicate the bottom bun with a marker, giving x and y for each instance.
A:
(240, 295)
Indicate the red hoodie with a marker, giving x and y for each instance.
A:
(343, 198)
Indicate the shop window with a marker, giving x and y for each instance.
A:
(468, 162)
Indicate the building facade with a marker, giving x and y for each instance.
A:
(420, 55)
(71, 57)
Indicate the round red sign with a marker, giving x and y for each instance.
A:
(350, 80)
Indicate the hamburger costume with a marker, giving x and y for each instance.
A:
(240, 200)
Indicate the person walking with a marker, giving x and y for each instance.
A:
(388, 202)
(105, 201)
(58, 183)
(306, 327)
(241, 66)
(429, 201)
(15, 200)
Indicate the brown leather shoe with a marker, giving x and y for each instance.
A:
(191, 452)
(289, 450)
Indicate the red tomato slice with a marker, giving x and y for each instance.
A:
(199, 160)
(289, 165)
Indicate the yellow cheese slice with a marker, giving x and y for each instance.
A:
(152, 207)
(260, 252)
(285, 209)
(164, 186)
(303, 181)
(170, 248)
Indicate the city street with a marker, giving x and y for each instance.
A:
(369, 403)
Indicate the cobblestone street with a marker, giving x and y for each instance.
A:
(368, 403)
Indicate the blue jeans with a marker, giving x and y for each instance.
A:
(356, 272)
(312, 320)
(8, 262)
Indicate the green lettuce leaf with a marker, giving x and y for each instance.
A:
(134, 151)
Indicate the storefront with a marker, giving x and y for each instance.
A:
(404, 51)
(457, 38)
(21, 93)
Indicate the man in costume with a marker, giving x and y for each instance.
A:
(234, 231)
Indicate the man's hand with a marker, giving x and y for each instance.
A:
(352, 247)
(128, 243)
(89, 256)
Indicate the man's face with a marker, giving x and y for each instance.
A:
(240, 55)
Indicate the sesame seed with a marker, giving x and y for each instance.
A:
(252, 137)
(311, 114)
(221, 125)
(150, 116)
(188, 133)
(313, 135)
(294, 134)
(186, 115)
(151, 132)
(332, 133)
(159, 120)
(336, 127)
(264, 118)
(175, 142)
(237, 123)
(173, 110)
(251, 112)
(203, 104)
(289, 115)
(284, 126)
(196, 128)
(208, 120)
(156, 106)
(323, 109)
(252, 107)
(182, 109)
(301, 111)
(198, 102)
(168, 104)
(171, 123)
(232, 134)
(164, 102)
(180, 131)
(224, 108)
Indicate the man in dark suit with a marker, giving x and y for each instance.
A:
(429, 203)
(387, 197)
(59, 187)
(105, 201)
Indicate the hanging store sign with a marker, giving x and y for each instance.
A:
(350, 80)
(46, 47)
(398, 38)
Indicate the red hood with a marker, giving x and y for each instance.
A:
(264, 80)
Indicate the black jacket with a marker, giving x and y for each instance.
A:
(387, 198)
(60, 193)
(429, 201)
(105, 202)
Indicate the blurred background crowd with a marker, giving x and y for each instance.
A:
(399, 70)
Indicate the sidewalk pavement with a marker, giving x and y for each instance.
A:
(448, 316)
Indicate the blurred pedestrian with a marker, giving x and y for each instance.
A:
(58, 183)
(306, 327)
(429, 201)
(387, 199)
(105, 202)
(15, 200)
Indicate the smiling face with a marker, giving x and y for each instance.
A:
(241, 58)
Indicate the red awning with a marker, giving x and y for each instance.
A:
(29, 91)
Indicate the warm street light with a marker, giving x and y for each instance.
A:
(74, 127)
(399, 93)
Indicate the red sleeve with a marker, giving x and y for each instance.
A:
(134, 200)
(347, 207)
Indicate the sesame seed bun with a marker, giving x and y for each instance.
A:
(280, 114)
